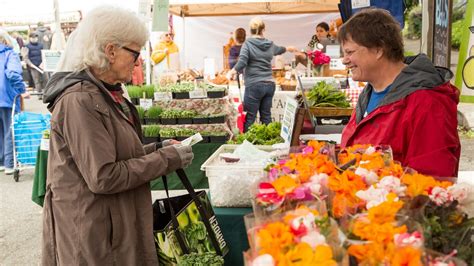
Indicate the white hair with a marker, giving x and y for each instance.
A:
(103, 25)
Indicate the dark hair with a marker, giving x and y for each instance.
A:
(240, 35)
(375, 28)
(323, 25)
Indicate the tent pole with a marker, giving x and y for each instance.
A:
(147, 58)
(185, 65)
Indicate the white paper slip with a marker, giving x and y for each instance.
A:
(192, 140)
(146, 103)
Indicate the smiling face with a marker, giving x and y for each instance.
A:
(122, 62)
(362, 61)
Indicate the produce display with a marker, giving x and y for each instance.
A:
(325, 94)
(261, 134)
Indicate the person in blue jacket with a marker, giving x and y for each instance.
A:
(11, 85)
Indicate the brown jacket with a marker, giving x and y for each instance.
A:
(97, 208)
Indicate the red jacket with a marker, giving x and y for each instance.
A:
(417, 118)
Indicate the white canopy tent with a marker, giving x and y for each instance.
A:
(203, 27)
(202, 8)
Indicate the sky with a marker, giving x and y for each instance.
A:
(43, 10)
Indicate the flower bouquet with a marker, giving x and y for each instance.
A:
(299, 237)
(302, 177)
(382, 237)
(317, 59)
(441, 208)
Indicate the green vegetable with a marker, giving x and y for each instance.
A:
(154, 112)
(205, 259)
(327, 95)
(167, 133)
(151, 130)
(149, 91)
(260, 134)
(134, 91)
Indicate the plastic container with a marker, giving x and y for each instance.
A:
(230, 183)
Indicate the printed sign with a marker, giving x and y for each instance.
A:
(360, 3)
(163, 96)
(50, 59)
(289, 117)
(146, 103)
(160, 15)
(442, 34)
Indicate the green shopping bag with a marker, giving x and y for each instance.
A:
(185, 224)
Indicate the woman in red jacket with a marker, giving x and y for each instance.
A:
(407, 104)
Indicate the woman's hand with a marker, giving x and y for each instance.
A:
(230, 75)
(291, 49)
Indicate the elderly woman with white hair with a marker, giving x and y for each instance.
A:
(11, 85)
(97, 207)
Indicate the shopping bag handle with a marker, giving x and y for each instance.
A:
(205, 218)
(174, 220)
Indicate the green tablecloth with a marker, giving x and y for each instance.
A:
(198, 178)
(202, 151)
(231, 222)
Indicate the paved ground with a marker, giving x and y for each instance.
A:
(20, 218)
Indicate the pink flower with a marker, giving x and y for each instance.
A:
(406, 239)
(308, 150)
(318, 57)
(273, 174)
(439, 195)
(301, 193)
(268, 195)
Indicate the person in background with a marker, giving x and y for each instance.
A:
(255, 60)
(32, 56)
(165, 55)
(18, 39)
(322, 34)
(97, 206)
(137, 75)
(407, 104)
(11, 86)
(44, 35)
(239, 38)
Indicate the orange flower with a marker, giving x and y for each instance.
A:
(347, 182)
(323, 256)
(368, 254)
(386, 211)
(301, 255)
(395, 169)
(273, 238)
(372, 161)
(284, 185)
(406, 256)
(418, 184)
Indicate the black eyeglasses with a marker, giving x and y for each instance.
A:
(135, 53)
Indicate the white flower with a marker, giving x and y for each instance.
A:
(406, 239)
(373, 196)
(392, 184)
(439, 195)
(370, 150)
(315, 188)
(306, 220)
(314, 239)
(263, 260)
(370, 177)
(320, 178)
(464, 194)
(460, 192)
